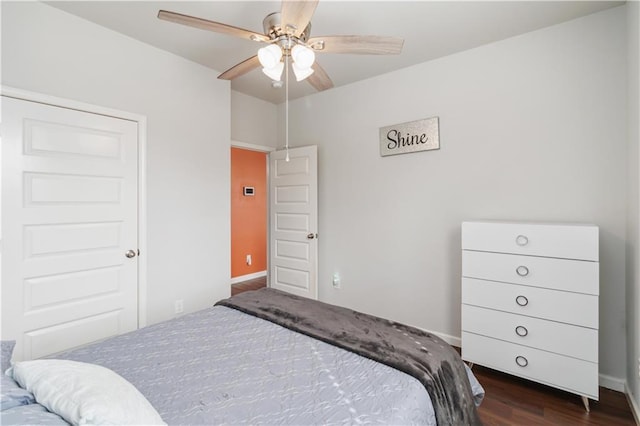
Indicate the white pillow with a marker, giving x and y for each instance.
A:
(84, 393)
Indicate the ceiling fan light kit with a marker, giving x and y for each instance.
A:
(300, 72)
(302, 56)
(269, 56)
(288, 32)
(275, 72)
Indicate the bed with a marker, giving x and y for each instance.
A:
(251, 359)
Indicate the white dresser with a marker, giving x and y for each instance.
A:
(530, 302)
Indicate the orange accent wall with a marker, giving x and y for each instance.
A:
(248, 214)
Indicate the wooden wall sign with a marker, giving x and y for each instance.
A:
(414, 136)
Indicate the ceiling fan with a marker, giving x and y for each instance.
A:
(287, 35)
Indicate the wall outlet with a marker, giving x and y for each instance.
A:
(178, 306)
(336, 280)
(249, 259)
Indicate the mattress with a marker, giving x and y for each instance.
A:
(221, 366)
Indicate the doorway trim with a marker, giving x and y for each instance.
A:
(41, 98)
(251, 147)
(266, 149)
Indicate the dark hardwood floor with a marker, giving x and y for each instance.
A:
(513, 401)
(254, 284)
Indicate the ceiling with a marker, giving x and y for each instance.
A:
(431, 29)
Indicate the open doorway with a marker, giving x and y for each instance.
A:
(249, 219)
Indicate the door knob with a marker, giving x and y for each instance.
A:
(130, 254)
(311, 236)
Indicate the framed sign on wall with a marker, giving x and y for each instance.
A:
(413, 136)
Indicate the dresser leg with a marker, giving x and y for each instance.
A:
(585, 401)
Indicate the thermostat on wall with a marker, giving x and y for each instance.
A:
(249, 190)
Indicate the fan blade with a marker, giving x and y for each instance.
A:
(296, 15)
(205, 24)
(365, 45)
(319, 79)
(240, 69)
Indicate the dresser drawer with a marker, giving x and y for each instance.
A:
(550, 240)
(556, 370)
(571, 308)
(561, 274)
(563, 339)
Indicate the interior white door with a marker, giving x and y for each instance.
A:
(69, 199)
(293, 189)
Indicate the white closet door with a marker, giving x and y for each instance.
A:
(293, 188)
(69, 200)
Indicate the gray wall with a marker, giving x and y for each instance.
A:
(49, 51)
(532, 128)
(633, 217)
(253, 120)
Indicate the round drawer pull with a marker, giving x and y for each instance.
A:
(521, 331)
(522, 301)
(521, 361)
(522, 240)
(523, 271)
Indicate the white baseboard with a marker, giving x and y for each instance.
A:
(635, 409)
(241, 278)
(612, 383)
(452, 340)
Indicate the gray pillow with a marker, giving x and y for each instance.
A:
(12, 395)
(33, 414)
(7, 352)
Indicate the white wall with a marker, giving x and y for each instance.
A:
(253, 120)
(633, 213)
(531, 128)
(49, 51)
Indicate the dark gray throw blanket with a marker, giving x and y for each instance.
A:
(422, 355)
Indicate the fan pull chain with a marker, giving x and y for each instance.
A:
(286, 106)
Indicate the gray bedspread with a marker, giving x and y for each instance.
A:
(220, 366)
(423, 355)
